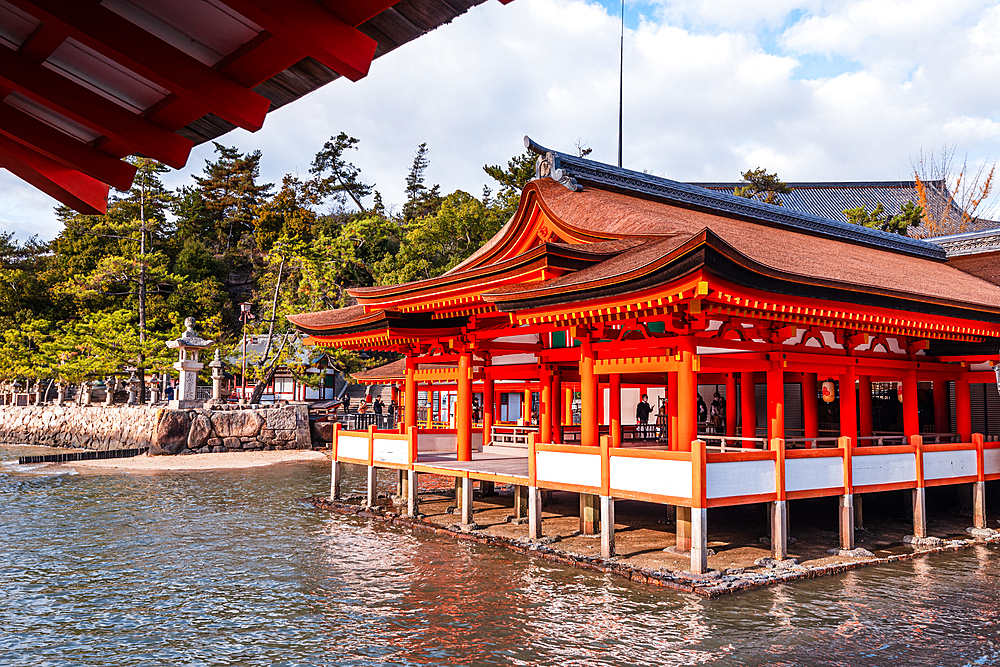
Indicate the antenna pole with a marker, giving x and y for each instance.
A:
(621, 77)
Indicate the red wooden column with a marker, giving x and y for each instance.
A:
(748, 405)
(672, 404)
(615, 408)
(557, 400)
(731, 404)
(588, 396)
(410, 394)
(567, 406)
(463, 411)
(865, 405)
(963, 410)
(911, 417)
(489, 407)
(687, 401)
(849, 405)
(545, 405)
(776, 401)
(810, 408)
(600, 403)
(526, 412)
(940, 392)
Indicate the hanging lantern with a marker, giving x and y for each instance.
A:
(829, 392)
(899, 391)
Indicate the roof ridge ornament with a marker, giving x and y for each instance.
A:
(548, 166)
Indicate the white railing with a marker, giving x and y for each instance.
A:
(732, 443)
(503, 435)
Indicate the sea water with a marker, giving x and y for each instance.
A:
(230, 567)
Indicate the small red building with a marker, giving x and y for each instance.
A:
(607, 284)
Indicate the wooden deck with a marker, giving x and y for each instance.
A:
(501, 464)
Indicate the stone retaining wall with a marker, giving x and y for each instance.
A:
(163, 431)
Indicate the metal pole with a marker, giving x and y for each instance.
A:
(621, 85)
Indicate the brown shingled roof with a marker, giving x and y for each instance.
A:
(394, 370)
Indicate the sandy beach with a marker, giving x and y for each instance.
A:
(226, 461)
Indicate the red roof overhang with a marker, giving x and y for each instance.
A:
(84, 84)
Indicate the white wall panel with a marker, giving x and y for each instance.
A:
(668, 478)
(739, 478)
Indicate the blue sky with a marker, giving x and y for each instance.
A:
(814, 89)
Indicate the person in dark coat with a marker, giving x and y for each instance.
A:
(643, 410)
(377, 405)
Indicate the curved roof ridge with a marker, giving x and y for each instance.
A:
(572, 171)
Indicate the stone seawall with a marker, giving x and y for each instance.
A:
(161, 430)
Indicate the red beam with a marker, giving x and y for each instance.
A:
(318, 32)
(88, 108)
(78, 191)
(63, 148)
(126, 43)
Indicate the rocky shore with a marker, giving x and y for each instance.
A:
(160, 430)
(715, 583)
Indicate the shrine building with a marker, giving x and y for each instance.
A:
(845, 360)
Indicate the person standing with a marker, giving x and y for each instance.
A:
(642, 412)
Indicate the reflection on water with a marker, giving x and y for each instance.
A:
(228, 568)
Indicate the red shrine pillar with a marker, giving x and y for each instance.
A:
(775, 401)
(463, 411)
(866, 426)
(410, 394)
(911, 416)
(963, 410)
(615, 408)
(731, 404)
(545, 405)
(748, 405)
(849, 405)
(687, 400)
(810, 408)
(940, 392)
(672, 403)
(557, 400)
(588, 396)
(488, 407)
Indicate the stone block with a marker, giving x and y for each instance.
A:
(237, 423)
(171, 433)
(201, 426)
(232, 443)
(322, 432)
(279, 419)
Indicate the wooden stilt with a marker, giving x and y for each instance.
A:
(683, 529)
(534, 513)
(466, 485)
(400, 483)
(486, 488)
(979, 504)
(699, 539)
(779, 530)
(335, 481)
(372, 496)
(607, 527)
(520, 502)
(919, 512)
(589, 517)
(847, 521)
(412, 499)
(859, 515)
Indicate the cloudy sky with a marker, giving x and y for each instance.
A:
(817, 90)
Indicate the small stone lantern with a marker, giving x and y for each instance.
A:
(133, 388)
(189, 346)
(88, 392)
(109, 389)
(38, 392)
(217, 377)
(60, 392)
(154, 389)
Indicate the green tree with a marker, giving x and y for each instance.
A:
(910, 215)
(336, 179)
(762, 186)
(520, 169)
(420, 200)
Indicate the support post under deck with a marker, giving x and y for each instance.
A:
(534, 513)
(699, 539)
(466, 500)
(683, 528)
(779, 530)
(847, 521)
(335, 474)
(979, 504)
(607, 527)
(412, 499)
(589, 517)
(372, 495)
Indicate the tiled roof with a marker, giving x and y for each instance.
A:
(573, 171)
(831, 199)
(970, 243)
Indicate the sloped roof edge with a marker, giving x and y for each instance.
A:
(571, 171)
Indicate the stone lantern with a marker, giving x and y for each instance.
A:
(133, 388)
(217, 377)
(60, 392)
(38, 392)
(109, 389)
(154, 389)
(189, 346)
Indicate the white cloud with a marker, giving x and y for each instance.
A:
(711, 88)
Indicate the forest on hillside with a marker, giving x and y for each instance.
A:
(107, 292)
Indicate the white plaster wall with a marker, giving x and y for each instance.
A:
(567, 468)
(668, 478)
(391, 451)
(352, 447)
(739, 478)
(991, 461)
(883, 469)
(808, 474)
(942, 465)
(630, 399)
